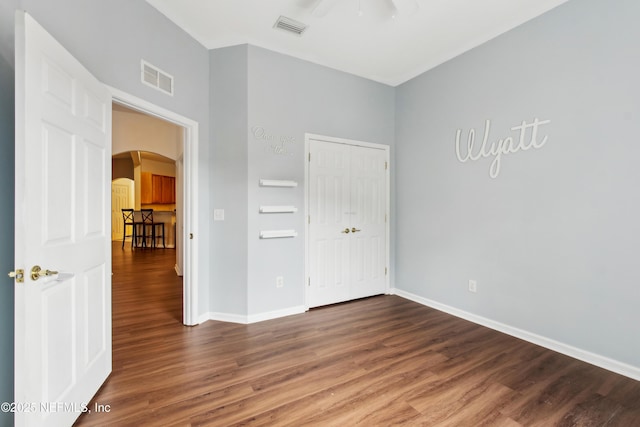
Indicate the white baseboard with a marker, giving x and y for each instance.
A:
(252, 318)
(577, 353)
(223, 317)
(261, 317)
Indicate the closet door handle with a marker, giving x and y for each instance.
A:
(345, 231)
(355, 230)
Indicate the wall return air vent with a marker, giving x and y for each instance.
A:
(290, 25)
(156, 78)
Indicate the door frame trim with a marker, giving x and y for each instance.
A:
(190, 195)
(308, 137)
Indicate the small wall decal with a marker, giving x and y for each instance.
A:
(524, 141)
(277, 145)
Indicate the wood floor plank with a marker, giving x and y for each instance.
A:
(596, 410)
(379, 361)
(361, 399)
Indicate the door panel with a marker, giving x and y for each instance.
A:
(57, 146)
(368, 203)
(329, 193)
(347, 191)
(63, 146)
(58, 348)
(93, 161)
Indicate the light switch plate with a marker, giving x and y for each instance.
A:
(218, 214)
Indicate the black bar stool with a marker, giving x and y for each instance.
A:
(128, 220)
(149, 229)
(156, 236)
(144, 228)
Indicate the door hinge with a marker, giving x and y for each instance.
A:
(386, 165)
(385, 217)
(309, 281)
(385, 271)
(18, 275)
(309, 219)
(309, 157)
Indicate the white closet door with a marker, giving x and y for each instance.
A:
(329, 208)
(368, 227)
(347, 231)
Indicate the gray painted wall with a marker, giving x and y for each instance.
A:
(552, 241)
(288, 97)
(229, 179)
(6, 232)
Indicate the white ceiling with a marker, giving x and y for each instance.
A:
(424, 34)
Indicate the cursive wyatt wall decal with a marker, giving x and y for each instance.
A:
(500, 146)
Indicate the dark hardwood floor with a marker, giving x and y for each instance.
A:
(375, 362)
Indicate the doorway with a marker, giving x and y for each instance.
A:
(347, 193)
(186, 195)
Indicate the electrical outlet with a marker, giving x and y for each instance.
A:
(473, 285)
(279, 282)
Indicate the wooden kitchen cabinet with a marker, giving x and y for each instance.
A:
(157, 189)
(168, 189)
(163, 189)
(146, 196)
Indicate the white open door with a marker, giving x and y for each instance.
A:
(63, 179)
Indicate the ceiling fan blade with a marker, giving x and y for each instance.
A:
(322, 7)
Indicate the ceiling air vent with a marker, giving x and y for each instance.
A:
(290, 25)
(156, 78)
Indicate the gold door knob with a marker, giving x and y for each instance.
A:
(355, 230)
(345, 231)
(37, 272)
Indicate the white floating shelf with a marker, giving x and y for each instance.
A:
(277, 183)
(277, 234)
(278, 209)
